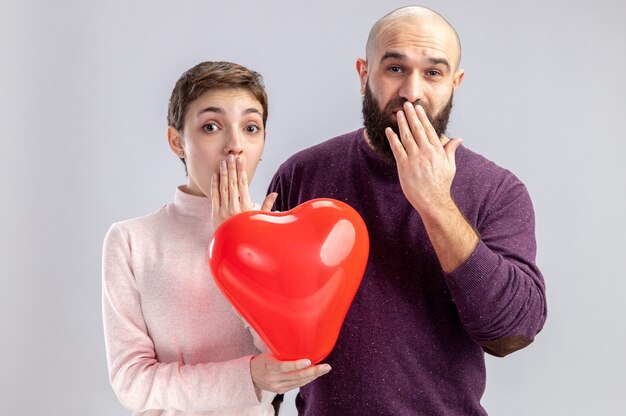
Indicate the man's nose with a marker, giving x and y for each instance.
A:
(412, 88)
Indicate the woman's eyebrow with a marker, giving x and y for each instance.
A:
(211, 110)
(219, 110)
(252, 110)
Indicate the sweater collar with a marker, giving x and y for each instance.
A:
(375, 161)
(191, 205)
(384, 167)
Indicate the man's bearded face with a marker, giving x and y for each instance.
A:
(376, 120)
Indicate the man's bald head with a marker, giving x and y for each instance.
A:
(412, 14)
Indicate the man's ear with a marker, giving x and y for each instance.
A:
(175, 140)
(458, 77)
(361, 68)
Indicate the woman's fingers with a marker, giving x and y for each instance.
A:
(270, 374)
(268, 202)
(224, 198)
(290, 366)
(299, 378)
(230, 193)
(233, 190)
(242, 184)
(215, 198)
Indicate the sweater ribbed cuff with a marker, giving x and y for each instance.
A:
(476, 271)
(263, 397)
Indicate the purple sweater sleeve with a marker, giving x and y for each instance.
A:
(499, 291)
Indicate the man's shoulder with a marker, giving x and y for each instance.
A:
(481, 176)
(474, 164)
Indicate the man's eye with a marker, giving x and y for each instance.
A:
(433, 73)
(210, 127)
(395, 69)
(253, 128)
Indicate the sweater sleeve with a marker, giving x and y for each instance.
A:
(139, 380)
(499, 292)
(276, 186)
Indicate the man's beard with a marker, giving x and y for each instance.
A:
(376, 121)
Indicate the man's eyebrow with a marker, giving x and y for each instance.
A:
(393, 55)
(437, 61)
(400, 57)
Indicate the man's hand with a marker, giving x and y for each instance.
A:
(425, 166)
(270, 374)
(230, 194)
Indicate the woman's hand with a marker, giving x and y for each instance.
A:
(270, 374)
(229, 191)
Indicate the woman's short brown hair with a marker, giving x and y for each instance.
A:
(208, 76)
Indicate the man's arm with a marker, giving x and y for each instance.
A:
(498, 293)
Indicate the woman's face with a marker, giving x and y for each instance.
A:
(218, 124)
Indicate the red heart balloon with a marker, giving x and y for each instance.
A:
(292, 275)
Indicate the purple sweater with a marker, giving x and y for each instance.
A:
(411, 342)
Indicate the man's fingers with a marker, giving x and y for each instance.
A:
(268, 202)
(406, 135)
(396, 146)
(450, 149)
(428, 129)
(416, 126)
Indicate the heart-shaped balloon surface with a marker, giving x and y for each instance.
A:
(292, 275)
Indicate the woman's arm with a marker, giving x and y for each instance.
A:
(140, 381)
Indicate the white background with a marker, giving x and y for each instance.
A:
(84, 88)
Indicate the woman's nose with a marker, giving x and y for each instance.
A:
(234, 146)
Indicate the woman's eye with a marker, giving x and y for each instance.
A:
(253, 128)
(210, 127)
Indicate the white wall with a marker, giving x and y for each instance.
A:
(84, 87)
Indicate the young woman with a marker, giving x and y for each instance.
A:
(174, 345)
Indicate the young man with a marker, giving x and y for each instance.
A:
(451, 272)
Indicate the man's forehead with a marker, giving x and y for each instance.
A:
(414, 30)
(404, 36)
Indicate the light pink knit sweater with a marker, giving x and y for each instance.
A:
(174, 345)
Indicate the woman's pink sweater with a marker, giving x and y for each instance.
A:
(174, 345)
